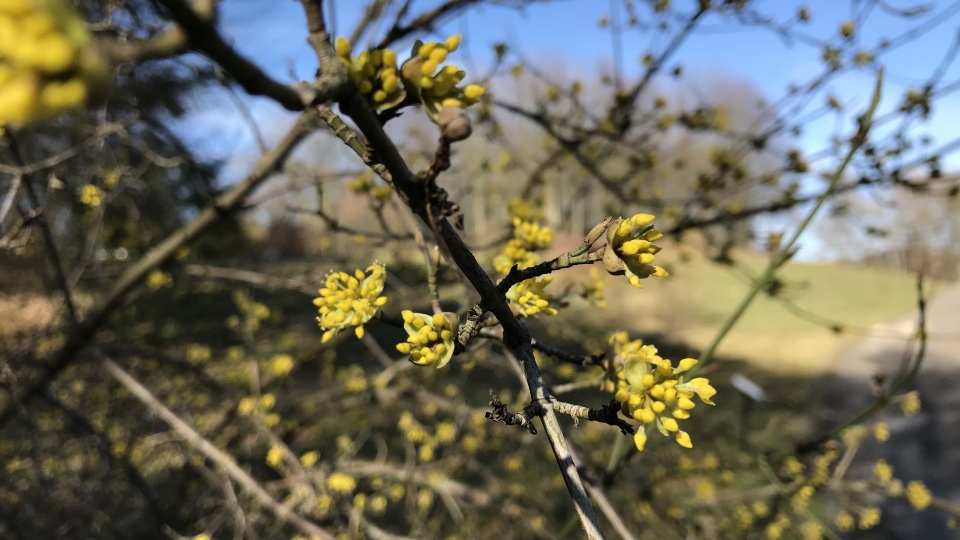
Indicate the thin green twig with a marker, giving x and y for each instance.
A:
(786, 251)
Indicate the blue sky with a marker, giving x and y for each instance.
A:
(272, 32)
(567, 32)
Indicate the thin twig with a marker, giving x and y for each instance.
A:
(211, 452)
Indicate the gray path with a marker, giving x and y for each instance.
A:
(926, 446)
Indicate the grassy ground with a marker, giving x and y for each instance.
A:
(692, 304)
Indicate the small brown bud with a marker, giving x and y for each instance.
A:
(454, 124)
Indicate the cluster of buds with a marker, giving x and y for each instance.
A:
(534, 236)
(650, 390)
(523, 210)
(375, 73)
(364, 184)
(47, 61)
(630, 249)
(435, 83)
(422, 78)
(592, 290)
(430, 338)
(528, 237)
(529, 299)
(350, 300)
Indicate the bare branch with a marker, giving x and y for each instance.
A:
(205, 447)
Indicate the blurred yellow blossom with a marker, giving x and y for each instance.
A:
(869, 518)
(534, 236)
(310, 458)
(446, 432)
(881, 432)
(274, 457)
(355, 384)
(918, 495)
(910, 404)
(246, 405)
(378, 503)
(530, 299)
(198, 354)
(883, 471)
(811, 530)
(844, 521)
(158, 279)
(90, 194)
(47, 61)
(591, 290)
(523, 210)
(341, 483)
(281, 365)
(267, 401)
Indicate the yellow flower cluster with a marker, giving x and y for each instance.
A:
(158, 279)
(47, 63)
(254, 313)
(869, 518)
(350, 300)
(310, 458)
(90, 194)
(528, 237)
(592, 290)
(529, 298)
(341, 483)
(844, 521)
(274, 457)
(436, 83)
(198, 354)
(260, 408)
(883, 471)
(430, 338)
(630, 249)
(651, 390)
(515, 253)
(281, 364)
(375, 73)
(523, 210)
(364, 184)
(361, 183)
(918, 495)
(384, 85)
(534, 236)
(910, 404)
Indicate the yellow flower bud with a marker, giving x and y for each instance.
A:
(640, 439)
(453, 42)
(687, 363)
(389, 58)
(426, 49)
(473, 91)
(343, 47)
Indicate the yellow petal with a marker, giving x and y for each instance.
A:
(640, 439)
